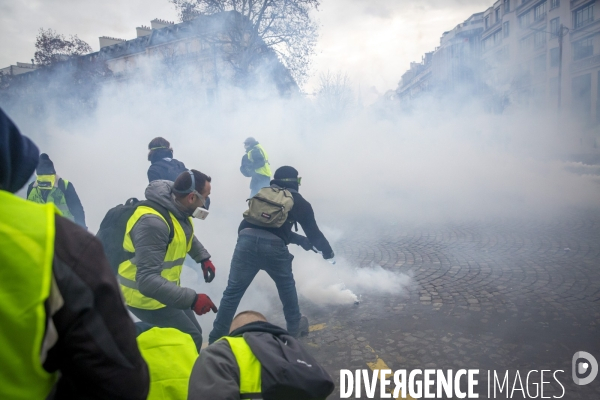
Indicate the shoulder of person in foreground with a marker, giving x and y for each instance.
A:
(216, 374)
(96, 349)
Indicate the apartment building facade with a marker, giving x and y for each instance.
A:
(199, 50)
(522, 60)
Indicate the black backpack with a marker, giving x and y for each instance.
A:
(288, 371)
(112, 229)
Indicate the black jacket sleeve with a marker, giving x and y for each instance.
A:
(96, 352)
(74, 205)
(153, 173)
(304, 214)
(245, 167)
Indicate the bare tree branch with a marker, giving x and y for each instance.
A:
(284, 26)
(52, 47)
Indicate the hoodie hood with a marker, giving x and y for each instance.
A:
(160, 191)
(18, 156)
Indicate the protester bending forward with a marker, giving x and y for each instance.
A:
(265, 248)
(150, 281)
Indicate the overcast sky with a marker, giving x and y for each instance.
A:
(373, 41)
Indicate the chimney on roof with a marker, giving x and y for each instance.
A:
(159, 23)
(109, 41)
(143, 31)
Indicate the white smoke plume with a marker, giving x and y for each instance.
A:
(371, 167)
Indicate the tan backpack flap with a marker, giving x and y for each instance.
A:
(269, 208)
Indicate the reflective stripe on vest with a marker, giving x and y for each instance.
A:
(171, 266)
(26, 250)
(170, 355)
(56, 195)
(265, 169)
(250, 368)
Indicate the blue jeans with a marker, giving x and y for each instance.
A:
(258, 182)
(250, 256)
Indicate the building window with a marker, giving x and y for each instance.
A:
(554, 4)
(497, 14)
(526, 43)
(554, 26)
(506, 6)
(539, 40)
(583, 16)
(539, 11)
(583, 48)
(539, 63)
(525, 19)
(505, 29)
(582, 96)
(487, 21)
(554, 57)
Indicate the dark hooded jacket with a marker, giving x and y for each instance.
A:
(216, 374)
(91, 339)
(302, 213)
(164, 166)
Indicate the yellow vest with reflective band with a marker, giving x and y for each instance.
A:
(170, 355)
(171, 266)
(265, 169)
(250, 368)
(26, 252)
(56, 196)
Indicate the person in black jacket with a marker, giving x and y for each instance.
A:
(49, 187)
(266, 248)
(87, 338)
(163, 165)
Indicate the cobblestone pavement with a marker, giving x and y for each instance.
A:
(504, 296)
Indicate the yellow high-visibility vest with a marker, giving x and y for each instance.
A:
(56, 195)
(26, 252)
(171, 266)
(265, 169)
(170, 355)
(250, 367)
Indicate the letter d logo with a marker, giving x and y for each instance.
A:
(581, 368)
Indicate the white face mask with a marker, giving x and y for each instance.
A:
(200, 213)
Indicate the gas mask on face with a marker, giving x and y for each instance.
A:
(199, 212)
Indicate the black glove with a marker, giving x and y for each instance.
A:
(305, 243)
(327, 256)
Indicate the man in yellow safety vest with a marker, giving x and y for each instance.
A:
(255, 165)
(65, 332)
(51, 188)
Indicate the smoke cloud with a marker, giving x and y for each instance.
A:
(362, 170)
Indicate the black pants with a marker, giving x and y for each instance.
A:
(169, 317)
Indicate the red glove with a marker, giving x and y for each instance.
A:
(203, 304)
(208, 269)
